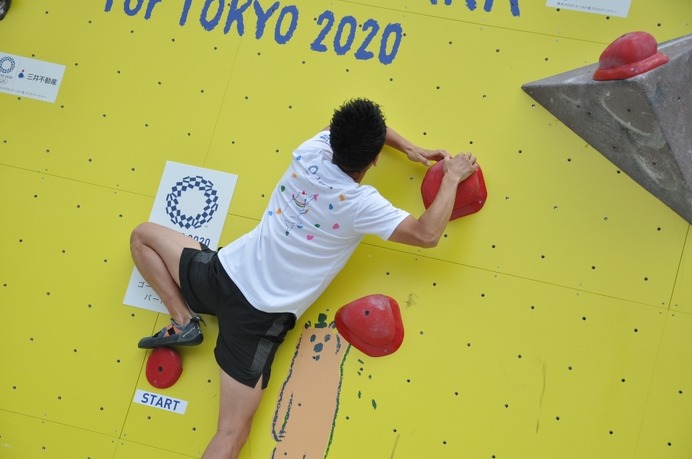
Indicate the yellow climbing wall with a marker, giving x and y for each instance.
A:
(555, 323)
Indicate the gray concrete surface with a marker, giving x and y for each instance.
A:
(643, 124)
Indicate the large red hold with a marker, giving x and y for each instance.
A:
(471, 193)
(372, 324)
(631, 54)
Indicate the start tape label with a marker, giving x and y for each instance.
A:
(160, 401)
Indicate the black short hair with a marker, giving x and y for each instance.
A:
(357, 133)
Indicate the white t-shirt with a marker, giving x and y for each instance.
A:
(316, 217)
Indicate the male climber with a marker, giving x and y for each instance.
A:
(260, 284)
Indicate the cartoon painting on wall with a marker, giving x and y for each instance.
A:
(309, 399)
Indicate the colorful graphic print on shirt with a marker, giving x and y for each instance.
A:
(299, 205)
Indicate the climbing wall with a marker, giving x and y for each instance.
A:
(556, 322)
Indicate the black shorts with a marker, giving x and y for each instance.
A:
(248, 338)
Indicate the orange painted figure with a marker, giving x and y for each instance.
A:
(309, 399)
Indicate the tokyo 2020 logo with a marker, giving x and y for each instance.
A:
(7, 64)
(200, 194)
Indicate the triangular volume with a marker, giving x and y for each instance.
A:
(641, 124)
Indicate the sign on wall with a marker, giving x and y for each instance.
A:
(618, 8)
(193, 201)
(161, 402)
(26, 77)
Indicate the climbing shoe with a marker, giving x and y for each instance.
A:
(175, 335)
(4, 8)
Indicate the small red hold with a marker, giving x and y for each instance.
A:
(372, 324)
(631, 54)
(471, 193)
(164, 367)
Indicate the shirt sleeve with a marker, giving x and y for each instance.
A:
(376, 215)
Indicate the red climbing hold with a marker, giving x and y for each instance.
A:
(471, 193)
(631, 54)
(164, 367)
(372, 324)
